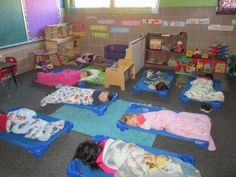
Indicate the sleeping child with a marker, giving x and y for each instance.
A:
(75, 95)
(202, 89)
(129, 160)
(97, 60)
(157, 80)
(25, 121)
(65, 77)
(191, 125)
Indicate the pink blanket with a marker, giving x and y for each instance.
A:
(191, 125)
(65, 77)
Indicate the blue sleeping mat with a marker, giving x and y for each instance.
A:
(185, 99)
(35, 147)
(139, 108)
(77, 168)
(141, 86)
(98, 109)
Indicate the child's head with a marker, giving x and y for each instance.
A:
(207, 76)
(130, 119)
(161, 86)
(105, 96)
(88, 152)
(85, 74)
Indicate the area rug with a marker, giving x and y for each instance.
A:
(87, 122)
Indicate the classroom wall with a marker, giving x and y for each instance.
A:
(198, 35)
(23, 54)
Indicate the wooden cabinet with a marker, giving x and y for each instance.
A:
(160, 48)
(60, 37)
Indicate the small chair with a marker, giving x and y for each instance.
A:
(115, 51)
(11, 59)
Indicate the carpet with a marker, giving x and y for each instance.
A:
(87, 122)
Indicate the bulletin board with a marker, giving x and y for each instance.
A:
(23, 21)
(39, 14)
(12, 28)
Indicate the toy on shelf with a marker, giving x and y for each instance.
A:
(155, 44)
(182, 62)
(219, 51)
(232, 66)
(189, 53)
(179, 47)
(197, 53)
(46, 60)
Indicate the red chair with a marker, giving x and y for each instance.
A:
(11, 59)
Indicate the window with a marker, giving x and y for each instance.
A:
(137, 3)
(226, 7)
(92, 3)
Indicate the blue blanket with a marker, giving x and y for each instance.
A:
(89, 123)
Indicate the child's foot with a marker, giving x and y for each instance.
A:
(206, 108)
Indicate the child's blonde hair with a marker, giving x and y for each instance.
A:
(126, 117)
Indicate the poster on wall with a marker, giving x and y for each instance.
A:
(78, 26)
(105, 22)
(36, 21)
(172, 23)
(195, 21)
(152, 21)
(100, 35)
(98, 27)
(119, 30)
(130, 23)
(221, 27)
(233, 21)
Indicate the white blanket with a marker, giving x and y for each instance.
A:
(202, 90)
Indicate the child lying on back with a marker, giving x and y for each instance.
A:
(185, 124)
(25, 121)
(75, 95)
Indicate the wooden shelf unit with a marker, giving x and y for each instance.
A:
(159, 54)
(60, 37)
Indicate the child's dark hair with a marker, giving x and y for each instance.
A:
(88, 73)
(161, 86)
(88, 152)
(109, 97)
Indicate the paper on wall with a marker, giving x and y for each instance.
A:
(119, 30)
(105, 22)
(98, 27)
(131, 23)
(78, 26)
(203, 21)
(173, 23)
(91, 17)
(100, 35)
(233, 21)
(221, 27)
(152, 21)
(79, 33)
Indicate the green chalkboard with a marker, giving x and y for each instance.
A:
(12, 27)
(188, 3)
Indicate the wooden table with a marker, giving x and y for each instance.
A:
(5, 65)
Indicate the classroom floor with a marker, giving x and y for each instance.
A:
(15, 162)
